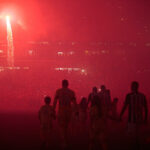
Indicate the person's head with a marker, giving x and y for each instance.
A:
(65, 83)
(103, 87)
(83, 100)
(134, 86)
(83, 103)
(94, 89)
(47, 100)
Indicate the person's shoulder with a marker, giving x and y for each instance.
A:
(129, 94)
(71, 91)
(90, 94)
(48, 108)
(51, 108)
(108, 90)
(141, 94)
(58, 90)
(42, 107)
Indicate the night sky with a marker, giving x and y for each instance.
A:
(78, 20)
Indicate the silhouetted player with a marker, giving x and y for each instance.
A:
(65, 97)
(105, 97)
(98, 124)
(137, 104)
(46, 116)
(91, 100)
(83, 105)
(91, 96)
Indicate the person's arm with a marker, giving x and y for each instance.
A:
(145, 109)
(73, 99)
(124, 106)
(75, 103)
(55, 100)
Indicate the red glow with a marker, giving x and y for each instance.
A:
(10, 44)
(8, 20)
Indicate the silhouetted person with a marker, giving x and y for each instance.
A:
(91, 100)
(98, 124)
(46, 116)
(137, 104)
(91, 96)
(105, 98)
(83, 106)
(65, 97)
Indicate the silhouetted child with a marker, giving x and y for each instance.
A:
(98, 124)
(83, 110)
(74, 123)
(91, 96)
(91, 99)
(46, 116)
(83, 106)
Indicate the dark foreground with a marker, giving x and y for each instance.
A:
(21, 131)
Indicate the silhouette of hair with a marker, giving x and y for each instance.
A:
(94, 89)
(65, 83)
(47, 100)
(134, 86)
(103, 87)
(83, 102)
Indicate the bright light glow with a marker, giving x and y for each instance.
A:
(71, 53)
(1, 51)
(60, 53)
(99, 89)
(10, 45)
(82, 70)
(7, 18)
(30, 52)
(67, 69)
(4, 16)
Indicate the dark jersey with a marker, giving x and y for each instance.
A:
(91, 98)
(65, 97)
(96, 106)
(137, 104)
(46, 116)
(105, 97)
